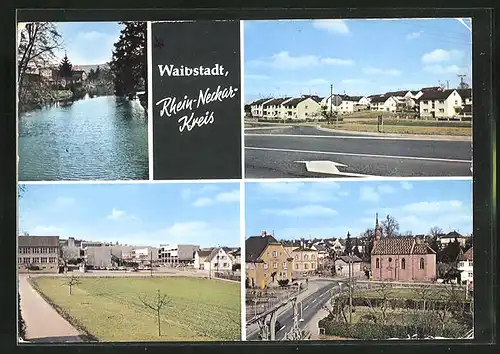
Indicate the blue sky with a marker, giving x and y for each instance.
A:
(88, 43)
(205, 214)
(331, 209)
(356, 56)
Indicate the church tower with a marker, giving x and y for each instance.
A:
(378, 230)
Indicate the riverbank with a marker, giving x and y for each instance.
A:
(38, 99)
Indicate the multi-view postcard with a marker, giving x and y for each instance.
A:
(245, 180)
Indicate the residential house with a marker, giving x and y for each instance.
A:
(445, 239)
(305, 260)
(342, 266)
(266, 261)
(402, 259)
(79, 76)
(401, 93)
(337, 246)
(322, 253)
(364, 101)
(200, 258)
(257, 107)
(466, 95)
(440, 104)
(219, 261)
(176, 254)
(301, 108)
(273, 109)
(38, 251)
(383, 103)
(466, 266)
(235, 255)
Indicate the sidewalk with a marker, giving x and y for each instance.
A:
(43, 323)
(401, 136)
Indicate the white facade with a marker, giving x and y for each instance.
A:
(443, 107)
(364, 101)
(221, 262)
(258, 109)
(467, 270)
(307, 108)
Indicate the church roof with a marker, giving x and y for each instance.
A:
(400, 246)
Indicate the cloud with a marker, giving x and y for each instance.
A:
(406, 185)
(441, 55)
(439, 69)
(298, 191)
(191, 192)
(224, 197)
(42, 230)
(336, 61)
(332, 26)
(308, 210)
(117, 214)
(373, 194)
(414, 35)
(384, 72)
(290, 233)
(433, 207)
(284, 61)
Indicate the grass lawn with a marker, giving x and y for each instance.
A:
(403, 126)
(408, 293)
(110, 309)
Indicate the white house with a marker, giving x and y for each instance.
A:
(219, 261)
(273, 109)
(466, 266)
(450, 237)
(440, 103)
(337, 246)
(466, 95)
(257, 107)
(383, 103)
(342, 266)
(301, 108)
(364, 101)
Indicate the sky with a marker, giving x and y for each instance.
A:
(359, 57)
(321, 209)
(205, 214)
(88, 43)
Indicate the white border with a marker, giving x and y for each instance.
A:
(242, 187)
(341, 179)
(242, 96)
(150, 99)
(133, 181)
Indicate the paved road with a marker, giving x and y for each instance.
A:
(310, 306)
(43, 323)
(274, 152)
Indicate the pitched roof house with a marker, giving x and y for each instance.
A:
(440, 103)
(403, 259)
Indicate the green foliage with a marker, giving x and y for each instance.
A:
(21, 325)
(283, 282)
(65, 68)
(129, 58)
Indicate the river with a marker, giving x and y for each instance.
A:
(100, 138)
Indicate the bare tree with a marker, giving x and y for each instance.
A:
(424, 293)
(337, 308)
(37, 44)
(65, 256)
(72, 281)
(390, 226)
(436, 231)
(156, 304)
(384, 292)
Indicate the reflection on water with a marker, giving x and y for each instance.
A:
(102, 138)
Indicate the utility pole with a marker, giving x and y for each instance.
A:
(350, 287)
(447, 84)
(462, 84)
(331, 101)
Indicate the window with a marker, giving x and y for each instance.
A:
(377, 263)
(265, 266)
(36, 259)
(20, 260)
(26, 260)
(275, 254)
(422, 263)
(456, 102)
(313, 257)
(426, 110)
(225, 265)
(296, 266)
(285, 266)
(441, 110)
(313, 265)
(403, 264)
(275, 265)
(296, 257)
(470, 275)
(390, 259)
(52, 259)
(441, 102)
(306, 257)
(305, 107)
(306, 266)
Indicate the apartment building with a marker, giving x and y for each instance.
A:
(257, 107)
(305, 260)
(440, 104)
(274, 109)
(177, 254)
(383, 103)
(466, 266)
(41, 252)
(302, 108)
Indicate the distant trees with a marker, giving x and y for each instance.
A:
(128, 63)
(94, 75)
(390, 226)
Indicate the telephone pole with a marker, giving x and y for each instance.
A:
(462, 84)
(331, 100)
(350, 287)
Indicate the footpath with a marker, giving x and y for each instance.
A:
(43, 323)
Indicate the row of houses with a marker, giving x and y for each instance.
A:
(428, 102)
(49, 253)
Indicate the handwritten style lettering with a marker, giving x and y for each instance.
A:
(171, 106)
(190, 122)
(217, 95)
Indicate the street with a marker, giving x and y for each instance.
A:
(282, 152)
(310, 306)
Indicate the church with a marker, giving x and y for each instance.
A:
(401, 258)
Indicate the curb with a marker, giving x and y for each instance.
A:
(402, 136)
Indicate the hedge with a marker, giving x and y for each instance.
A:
(368, 331)
(412, 303)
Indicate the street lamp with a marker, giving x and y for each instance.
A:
(301, 313)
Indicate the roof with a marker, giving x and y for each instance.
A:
(353, 259)
(237, 252)
(295, 101)
(303, 249)
(432, 95)
(397, 93)
(431, 88)
(204, 253)
(38, 241)
(255, 245)
(414, 92)
(379, 99)
(276, 101)
(320, 248)
(465, 93)
(467, 109)
(452, 234)
(259, 102)
(468, 255)
(356, 98)
(400, 246)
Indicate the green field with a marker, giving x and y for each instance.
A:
(110, 309)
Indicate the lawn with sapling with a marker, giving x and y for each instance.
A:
(126, 308)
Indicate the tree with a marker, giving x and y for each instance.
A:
(436, 231)
(65, 68)
(65, 255)
(21, 325)
(129, 59)
(97, 73)
(156, 304)
(390, 226)
(450, 253)
(37, 43)
(72, 281)
(91, 75)
(368, 235)
(326, 114)
(408, 233)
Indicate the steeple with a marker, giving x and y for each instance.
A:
(378, 232)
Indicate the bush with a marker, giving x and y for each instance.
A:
(21, 325)
(33, 267)
(283, 282)
(462, 306)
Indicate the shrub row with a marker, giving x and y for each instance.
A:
(459, 305)
(368, 331)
